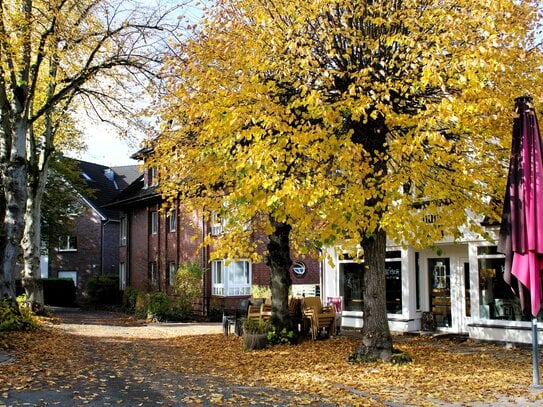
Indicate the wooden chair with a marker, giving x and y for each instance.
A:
(319, 317)
(265, 311)
(253, 311)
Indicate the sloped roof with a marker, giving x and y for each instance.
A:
(126, 174)
(107, 183)
(135, 194)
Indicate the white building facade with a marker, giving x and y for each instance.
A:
(460, 283)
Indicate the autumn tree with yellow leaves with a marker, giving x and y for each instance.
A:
(57, 56)
(344, 123)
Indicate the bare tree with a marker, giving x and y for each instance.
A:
(58, 55)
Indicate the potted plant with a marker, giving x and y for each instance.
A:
(255, 334)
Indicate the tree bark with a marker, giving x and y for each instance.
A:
(279, 262)
(376, 339)
(14, 185)
(31, 242)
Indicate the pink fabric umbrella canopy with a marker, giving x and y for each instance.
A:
(521, 234)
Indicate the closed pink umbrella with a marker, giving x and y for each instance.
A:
(521, 234)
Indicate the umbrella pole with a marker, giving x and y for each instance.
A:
(535, 354)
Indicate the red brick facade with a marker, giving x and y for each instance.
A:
(159, 246)
(96, 252)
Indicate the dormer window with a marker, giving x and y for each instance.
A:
(153, 178)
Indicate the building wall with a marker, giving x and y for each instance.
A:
(110, 249)
(134, 254)
(86, 260)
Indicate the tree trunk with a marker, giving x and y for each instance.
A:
(376, 339)
(279, 262)
(14, 184)
(31, 242)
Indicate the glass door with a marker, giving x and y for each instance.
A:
(440, 290)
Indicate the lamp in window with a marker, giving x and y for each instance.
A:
(487, 274)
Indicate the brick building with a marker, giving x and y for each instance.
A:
(92, 246)
(154, 242)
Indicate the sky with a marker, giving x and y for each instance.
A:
(105, 147)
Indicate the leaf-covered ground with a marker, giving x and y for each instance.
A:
(215, 370)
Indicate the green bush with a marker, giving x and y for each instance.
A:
(103, 290)
(276, 337)
(130, 296)
(188, 284)
(142, 303)
(255, 326)
(13, 319)
(159, 306)
(58, 292)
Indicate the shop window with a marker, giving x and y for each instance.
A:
(497, 300)
(351, 284)
(393, 273)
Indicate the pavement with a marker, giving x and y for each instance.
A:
(131, 383)
(135, 384)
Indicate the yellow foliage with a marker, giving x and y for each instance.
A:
(344, 117)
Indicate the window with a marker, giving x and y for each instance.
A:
(172, 269)
(393, 273)
(351, 283)
(217, 224)
(231, 279)
(153, 275)
(67, 244)
(172, 222)
(154, 222)
(68, 274)
(122, 276)
(497, 301)
(123, 231)
(153, 176)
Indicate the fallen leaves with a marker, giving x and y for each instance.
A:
(313, 371)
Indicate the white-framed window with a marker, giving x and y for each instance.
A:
(153, 274)
(217, 224)
(67, 244)
(154, 222)
(123, 231)
(172, 222)
(230, 278)
(122, 276)
(172, 269)
(152, 177)
(68, 274)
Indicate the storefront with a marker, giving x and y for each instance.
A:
(460, 283)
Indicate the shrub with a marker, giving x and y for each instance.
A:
(13, 319)
(103, 290)
(284, 336)
(58, 292)
(188, 284)
(142, 303)
(255, 326)
(159, 306)
(130, 297)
